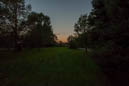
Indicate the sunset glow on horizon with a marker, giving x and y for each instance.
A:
(62, 37)
(63, 14)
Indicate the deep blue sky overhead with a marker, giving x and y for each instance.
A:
(63, 13)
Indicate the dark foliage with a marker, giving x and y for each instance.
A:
(105, 31)
(19, 27)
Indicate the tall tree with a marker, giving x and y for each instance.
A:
(110, 26)
(16, 11)
(40, 34)
(82, 28)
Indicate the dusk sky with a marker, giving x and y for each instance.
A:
(63, 13)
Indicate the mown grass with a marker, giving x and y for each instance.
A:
(49, 67)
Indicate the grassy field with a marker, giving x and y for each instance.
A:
(49, 67)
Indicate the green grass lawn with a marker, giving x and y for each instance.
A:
(49, 67)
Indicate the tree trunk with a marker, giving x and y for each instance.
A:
(16, 36)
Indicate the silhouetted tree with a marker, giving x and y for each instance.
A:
(13, 17)
(81, 29)
(109, 22)
(40, 33)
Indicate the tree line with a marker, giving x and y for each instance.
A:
(20, 27)
(106, 32)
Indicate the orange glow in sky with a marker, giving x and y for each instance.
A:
(63, 14)
(62, 38)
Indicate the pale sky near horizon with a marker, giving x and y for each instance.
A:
(63, 13)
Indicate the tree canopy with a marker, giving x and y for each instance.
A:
(19, 27)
